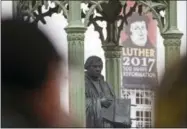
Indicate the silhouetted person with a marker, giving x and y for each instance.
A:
(31, 75)
(171, 97)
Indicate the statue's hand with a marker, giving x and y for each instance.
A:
(105, 102)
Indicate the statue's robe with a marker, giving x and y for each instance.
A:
(95, 90)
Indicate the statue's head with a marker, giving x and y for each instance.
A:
(137, 29)
(94, 66)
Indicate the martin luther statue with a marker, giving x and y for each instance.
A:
(98, 93)
(101, 107)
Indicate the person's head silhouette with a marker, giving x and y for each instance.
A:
(31, 74)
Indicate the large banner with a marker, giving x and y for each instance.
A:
(139, 60)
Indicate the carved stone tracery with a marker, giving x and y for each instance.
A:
(32, 10)
(76, 37)
(172, 42)
(105, 8)
(113, 52)
(155, 7)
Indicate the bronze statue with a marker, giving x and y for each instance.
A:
(102, 110)
(98, 93)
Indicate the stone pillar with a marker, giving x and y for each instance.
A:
(172, 36)
(14, 9)
(113, 66)
(75, 34)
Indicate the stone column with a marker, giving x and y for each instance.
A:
(14, 9)
(172, 37)
(113, 66)
(75, 34)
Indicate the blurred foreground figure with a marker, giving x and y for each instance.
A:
(171, 98)
(31, 76)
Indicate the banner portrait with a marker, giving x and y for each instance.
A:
(139, 60)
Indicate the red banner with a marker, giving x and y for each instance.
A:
(139, 60)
